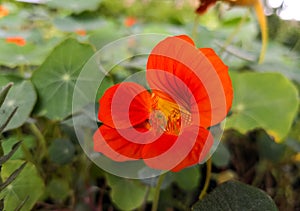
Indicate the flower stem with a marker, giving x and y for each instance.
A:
(195, 27)
(157, 192)
(207, 178)
(235, 31)
(40, 137)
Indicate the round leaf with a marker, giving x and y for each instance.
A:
(27, 184)
(56, 77)
(126, 194)
(234, 195)
(21, 95)
(263, 100)
(188, 179)
(61, 151)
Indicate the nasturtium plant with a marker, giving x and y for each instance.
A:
(263, 100)
(126, 194)
(28, 186)
(56, 77)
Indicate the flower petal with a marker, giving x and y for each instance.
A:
(175, 153)
(199, 151)
(124, 105)
(109, 142)
(196, 80)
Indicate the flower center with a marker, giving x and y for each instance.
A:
(168, 116)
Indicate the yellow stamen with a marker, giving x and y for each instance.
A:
(168, 116)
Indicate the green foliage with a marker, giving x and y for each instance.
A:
(234, 195)
(22, 96)
(126, 194)
(16, 192)
(187, 179)
(61, 151)
(74, 6)
(56, 77)
(260, 100)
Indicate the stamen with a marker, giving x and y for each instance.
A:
(167, 116)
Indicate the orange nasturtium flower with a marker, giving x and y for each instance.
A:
(166, 127)
(130, 21)
(81, 32)
(3, 11)
(259, 10)
(20, 41)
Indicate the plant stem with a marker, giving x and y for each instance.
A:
(195, 27)
(235, 31)
(207, 178)
(157, 192)
(41, 139)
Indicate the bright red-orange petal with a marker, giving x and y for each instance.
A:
(199, 151)
(223, 74)
(3, 11)
(109, 142)
(195, 80)
(124, 105)
(20, 41)
(204, 5)
(175, 153)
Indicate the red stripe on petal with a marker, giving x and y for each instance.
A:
(125, 105)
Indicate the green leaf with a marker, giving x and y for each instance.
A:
(4, 91)
(237, 196)
(268, 149)
(61, 151)
(73, 23)
(188, 179)
(27, 183)
(126, 194)
(58, 189)
(12, 177)
(75, 6)
(27, 143)
(12, 55)
(22, 96)
(56, 77)
(263, 100)
(9, 155)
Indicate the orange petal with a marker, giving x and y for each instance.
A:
(130, 21)
(175, 153)
(125, 105)
(197, 81)
(222, 72)
(80, 32)
(16, 40)
(3, 11)
(109, 142)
